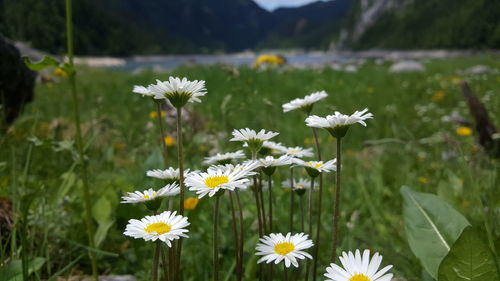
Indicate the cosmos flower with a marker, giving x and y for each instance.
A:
(166, 227)
(358, 268)
(288, 248)
(224, 158)
(306, 103)
(177, 91)
(338, 124)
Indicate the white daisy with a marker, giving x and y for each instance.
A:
(170, 175)
(150, 194)
(277, 247)
(141, 90)
(338, 124)
(274, 147)
(253, 139)
(218, 178)
(306, 103)
(166, 227)
(358, 268)
(301, 184)
(224, 158)
(248, 167)
(314, 168)
(177, 91)
(299, 152)
(270, 163)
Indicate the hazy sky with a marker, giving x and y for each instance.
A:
(273, 4)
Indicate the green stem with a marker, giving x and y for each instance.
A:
(235, 231)
(79, 141)
(270, 193)
(336, 214)
(262, 204)
(156, 262)
(320, 200)
(301, 203)
(242, 235)
(309, 231)
(165, 265)
(162, 132)
(285, 271)
(292, 199)
(216, 240)
(181, 184)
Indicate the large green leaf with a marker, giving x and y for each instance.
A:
(469, 259)
(39, 65)
(13, 270)
(432, 226)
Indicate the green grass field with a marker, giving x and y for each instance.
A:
(410, 142)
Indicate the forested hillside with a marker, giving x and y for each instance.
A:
(126, 27)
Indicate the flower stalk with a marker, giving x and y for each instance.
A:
(181, 186)
(162, 132)
(336, 213)
(216, 240)
(79, 140)
(292, 201)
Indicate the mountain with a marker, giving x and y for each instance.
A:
(127, 27)
(310, 26)
(429, 24)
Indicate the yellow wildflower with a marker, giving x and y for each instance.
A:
(169, 141)
(438, 96)
(60, 72)
(191, 203)
(455, 79)
(118, 145)
(423, 180)
(270, 60)
(154, 114)
(466, 203)
(463, 131)
(309, 141)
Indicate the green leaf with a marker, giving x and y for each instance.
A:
(13, 271)
(102, 231)
(44, 63)
(101, 211)
(432, 226)
(470, 259)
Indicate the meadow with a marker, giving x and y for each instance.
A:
(412, 141)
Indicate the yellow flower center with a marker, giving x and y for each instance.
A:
(145, 196)
(159, 227)
(213, 182)
(359, 277)
(284, 248)
(317, 165)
